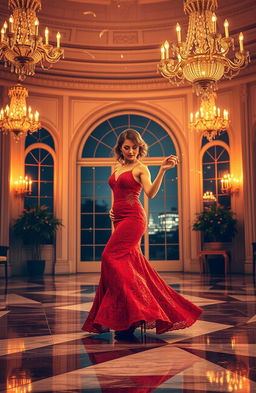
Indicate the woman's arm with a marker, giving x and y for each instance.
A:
(151, 189)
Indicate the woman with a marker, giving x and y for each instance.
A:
(130, 291)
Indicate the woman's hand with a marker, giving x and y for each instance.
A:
(169, 162)
(111, 215)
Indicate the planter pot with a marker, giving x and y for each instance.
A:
(214, 246)
(35, 267)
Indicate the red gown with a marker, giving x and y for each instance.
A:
(130, 290)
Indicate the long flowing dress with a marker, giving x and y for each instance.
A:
(130, 290)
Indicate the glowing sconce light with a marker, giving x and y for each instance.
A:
(229, 184)
(23, 186)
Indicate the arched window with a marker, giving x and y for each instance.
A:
(39, 165)
(161, 241)
(215, 164)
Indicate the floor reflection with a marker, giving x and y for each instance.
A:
(42, 347)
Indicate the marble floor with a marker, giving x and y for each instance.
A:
(42, 347)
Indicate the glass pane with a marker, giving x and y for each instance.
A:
(101, 130)
(110, 139)
(102, 173)
(31, 158)
(87, 236)
(225, 200)
(156, 129)
(89, 147)
(158, 237)
(209, 185)
(171, 188)
(222, 169)
(102, 221)
(98, 252)
(34, 188)
(139, 121)
(156, 253)
(209, 155)
(102, 236)
(30, 202)
(156, 150)
(87, 189)
(46, 158)
(87, 173)
(102, 206)
(102, 190)
(47, 202)
(87, 221)
(32, 171)
(46, 173)
(172, 236)
(209, 171)
(172, 204)
(156, 204)
(102, 150)
(119, 120)
(86, 253)
(87, 205)
(173, 252)
(46, 189)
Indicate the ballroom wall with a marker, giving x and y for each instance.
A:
(70, 114)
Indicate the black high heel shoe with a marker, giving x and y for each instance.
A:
(123, 334)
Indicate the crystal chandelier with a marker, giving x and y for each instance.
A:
(202, 59)
(21, 46)
(17, 118)
(208, 119)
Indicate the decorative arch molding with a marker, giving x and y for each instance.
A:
(89, 123)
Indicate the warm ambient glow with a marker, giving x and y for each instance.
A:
(23, 185)
(23, 48)
(204, 58)
(229, 184)
(16, 117)
(209, 120)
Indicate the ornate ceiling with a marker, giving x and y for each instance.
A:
(120, 39)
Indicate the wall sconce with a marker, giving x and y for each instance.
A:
(229, 184)
(23, 186)
(209, 197)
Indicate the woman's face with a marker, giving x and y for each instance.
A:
(130, 150)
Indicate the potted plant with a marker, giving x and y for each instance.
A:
(35, 227)
(217, 223)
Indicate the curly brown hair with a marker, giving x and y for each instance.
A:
(133, 136)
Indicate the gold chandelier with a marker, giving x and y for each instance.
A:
(201, 59)
(21, 46)
(209, 120)
(17, 118)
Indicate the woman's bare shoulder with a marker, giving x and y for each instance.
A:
(142, 168)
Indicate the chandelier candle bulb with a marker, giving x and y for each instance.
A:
(5, 26)
(214, 19)
(46, 35)
(162, 52)
(36, 26)
(241, 42)
(36, 116)
(58, 39)
(191, 117)
(178, 29)
(11, 24)
(226, 24)
(2, 34)
(166, 47)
